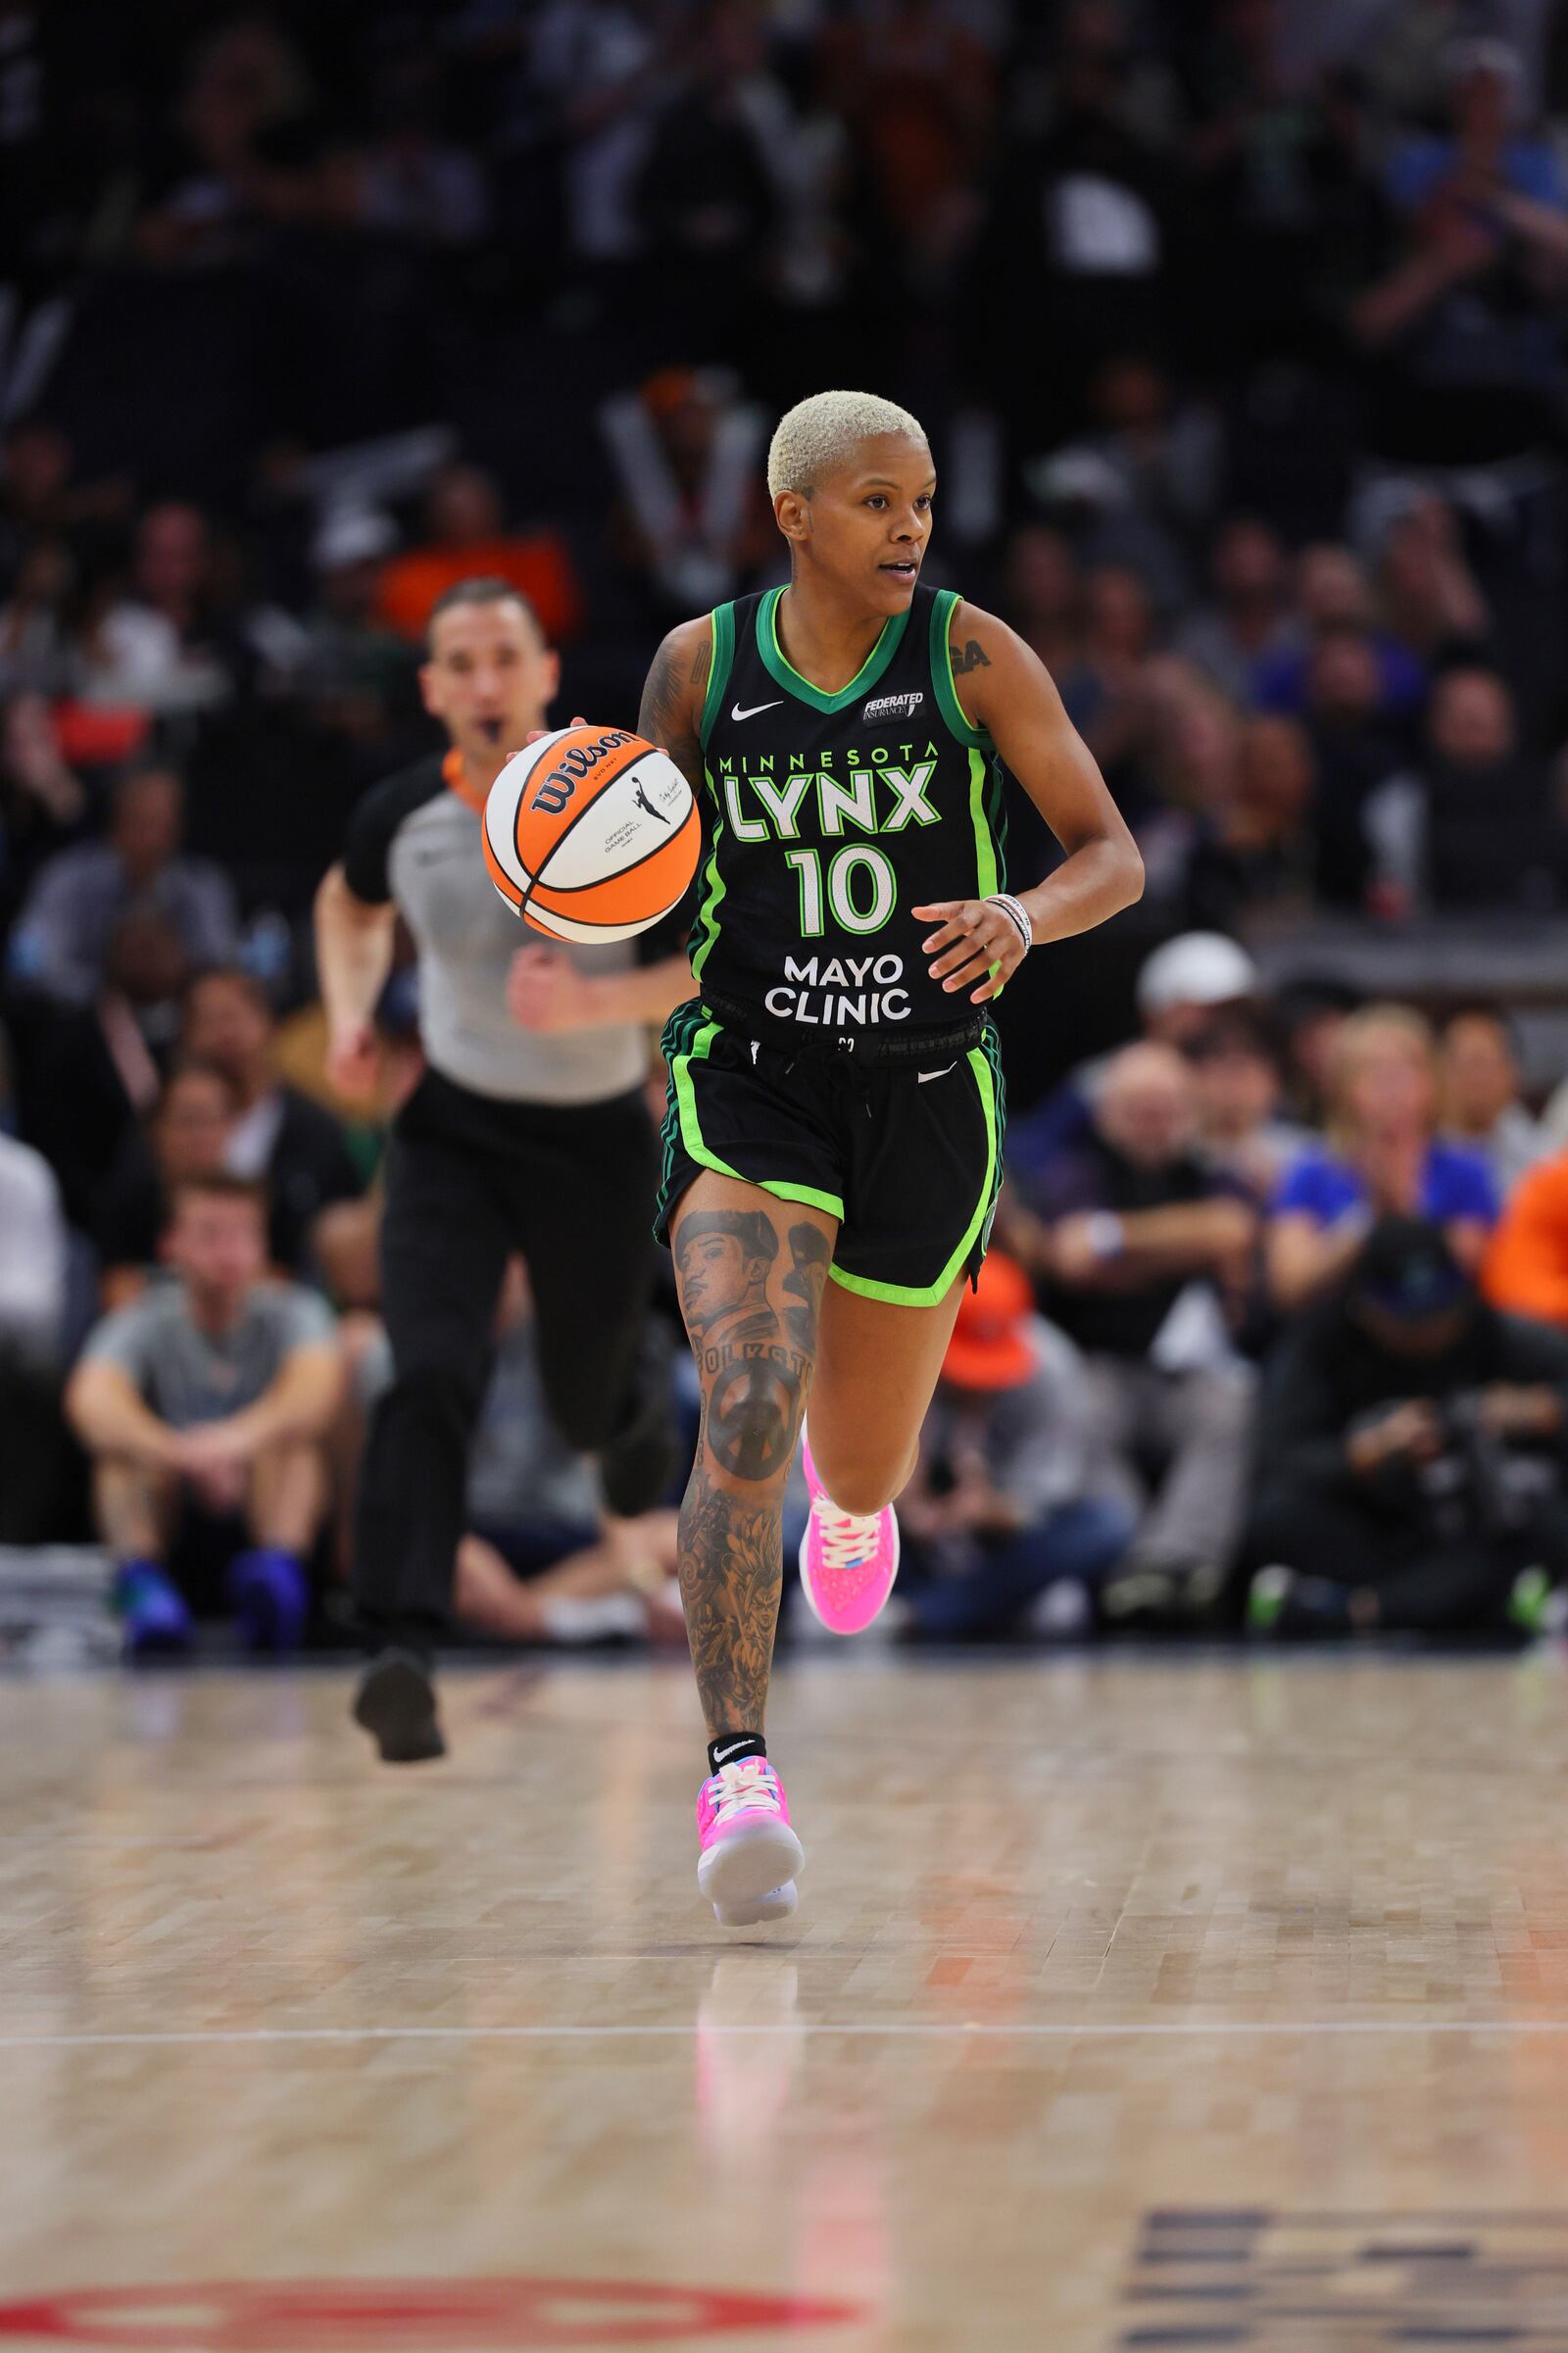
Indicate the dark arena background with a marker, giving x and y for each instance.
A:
(1183, 1957)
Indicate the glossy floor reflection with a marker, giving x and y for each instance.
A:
(1132, 2002)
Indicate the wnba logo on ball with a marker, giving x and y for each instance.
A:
(562, 780)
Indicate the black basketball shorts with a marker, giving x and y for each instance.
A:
(905, 1153)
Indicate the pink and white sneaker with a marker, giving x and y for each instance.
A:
(848, 1563)
(750, 1854)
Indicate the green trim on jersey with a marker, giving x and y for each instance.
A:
(722, 617)
(948, 601)
(782, 670)
(691, 1132)
(982, 1060)
(712, 891)
(986, 865)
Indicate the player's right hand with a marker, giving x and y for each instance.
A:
(353, 1060)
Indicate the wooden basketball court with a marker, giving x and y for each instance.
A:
(1135, 2002)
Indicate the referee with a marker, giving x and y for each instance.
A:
(529, 1133)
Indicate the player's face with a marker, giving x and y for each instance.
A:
(489, 679)
(865, 528)
(716, 1275)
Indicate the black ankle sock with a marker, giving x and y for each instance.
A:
(730, 1748)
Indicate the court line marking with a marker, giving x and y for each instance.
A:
(858, 2029)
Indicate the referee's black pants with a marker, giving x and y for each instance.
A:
(469, 1182)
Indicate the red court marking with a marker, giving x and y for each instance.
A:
(355, 2316)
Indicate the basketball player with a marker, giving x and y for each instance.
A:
(527, 1133)
(833, 1144)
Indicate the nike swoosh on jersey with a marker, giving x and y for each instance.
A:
(736, 713)
(923, 1078)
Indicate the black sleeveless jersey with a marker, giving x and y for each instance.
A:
(832, 816)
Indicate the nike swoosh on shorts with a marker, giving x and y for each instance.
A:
(736, 713)
(923, 1078)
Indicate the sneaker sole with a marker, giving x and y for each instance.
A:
(748, 1863)
(777, 1904)
(396, 1704)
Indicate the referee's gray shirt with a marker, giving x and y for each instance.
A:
(413, 840)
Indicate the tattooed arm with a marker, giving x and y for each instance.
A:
(671, 709)
(1004, 688)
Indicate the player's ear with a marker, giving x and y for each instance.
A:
(792, 512)
(552, 662)
(430, 689)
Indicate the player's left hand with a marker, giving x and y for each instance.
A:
(977, 940)
(547, 992)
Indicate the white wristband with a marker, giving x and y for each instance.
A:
(1019, 913)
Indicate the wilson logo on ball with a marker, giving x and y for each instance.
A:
(562, 780)
(591, 834)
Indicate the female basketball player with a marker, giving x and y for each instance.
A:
(833, 1143)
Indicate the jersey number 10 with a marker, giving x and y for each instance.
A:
(845, 869)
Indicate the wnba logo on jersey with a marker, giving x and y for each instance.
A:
(892, 707)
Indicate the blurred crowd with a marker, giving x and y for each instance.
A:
(1238, 329)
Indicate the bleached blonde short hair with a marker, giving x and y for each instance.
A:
(821, 432)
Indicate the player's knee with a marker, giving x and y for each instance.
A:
(861, 1487)
(753, 1420)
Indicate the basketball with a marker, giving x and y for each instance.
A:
(591, 833)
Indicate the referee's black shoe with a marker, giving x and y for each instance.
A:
(396, 1704)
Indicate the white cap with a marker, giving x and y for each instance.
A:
(352, 535)
(1199, 967)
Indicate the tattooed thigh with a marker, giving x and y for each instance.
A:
(751, 1291)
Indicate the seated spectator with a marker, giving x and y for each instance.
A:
(43, 802)
(1001, 1527)
(1334, 598)
(1238, 1090)
(1356, 750)
(353, 671)
(1248, 619)
(1136, 1248)
(1255, 853)
(1383, 1157)
(1413, 1444)
(184, 1140)
(692, 518)
(87, 1075)
(1182, 986)
(62, 936)
(1526, 1267)
(1461, 370)
(170, 645)
(467, 537)
(210, 1397)
(1118, 638)
(1481, 1085)
(33, 1317)
(1308, 1013)
(412, 182)
(1470, 824)
(1430, 598)
(1045, 604)
(279, 1136)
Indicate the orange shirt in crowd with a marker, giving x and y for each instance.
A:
(1526, 1267)
(536, 562)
